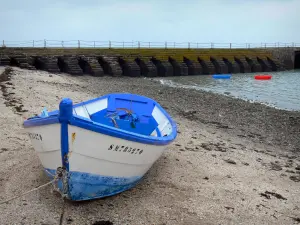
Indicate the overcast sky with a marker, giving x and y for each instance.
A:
(238, 21)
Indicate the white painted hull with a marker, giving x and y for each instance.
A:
(95, 154)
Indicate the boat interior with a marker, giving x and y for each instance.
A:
(129, 112)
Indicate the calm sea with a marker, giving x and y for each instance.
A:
(282, 91)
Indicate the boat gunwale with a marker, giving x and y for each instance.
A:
(90, 125)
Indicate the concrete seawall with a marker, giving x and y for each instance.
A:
(146, 62)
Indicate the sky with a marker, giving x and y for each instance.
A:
(203, 21)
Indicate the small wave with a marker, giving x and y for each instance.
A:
(171, 83)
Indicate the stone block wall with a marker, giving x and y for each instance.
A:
(152, 62)
(285, 56)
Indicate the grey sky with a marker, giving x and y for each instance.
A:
(238, 21)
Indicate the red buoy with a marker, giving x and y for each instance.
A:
(263, 77)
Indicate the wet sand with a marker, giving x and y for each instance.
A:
(233, 162)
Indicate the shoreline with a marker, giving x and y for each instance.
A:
(233, 162)
(167, 81)
(290, 118)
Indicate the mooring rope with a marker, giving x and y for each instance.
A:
(62, 214)
(27, 192)
(60, 174)
(56, 178)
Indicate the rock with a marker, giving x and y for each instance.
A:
(297, 219)
(189, 112)
(206, 146)
(189, 148)
(69, 220)
(275, 167)
(230, 161)
(295, 178)
(229, 208)
(268, 195)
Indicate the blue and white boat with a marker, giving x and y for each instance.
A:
(104, 145)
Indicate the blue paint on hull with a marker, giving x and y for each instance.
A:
(85, 186)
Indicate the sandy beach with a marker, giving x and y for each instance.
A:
(233, 162)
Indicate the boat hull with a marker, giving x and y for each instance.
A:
(90, 157)
(99, 165)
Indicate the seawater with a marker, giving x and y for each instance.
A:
(282, 91)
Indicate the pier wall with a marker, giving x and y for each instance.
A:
(285, 55)
(149, 62)
(297, 60)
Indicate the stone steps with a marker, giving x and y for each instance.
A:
(184, 70)
(266, 67)
(221, 67)
(130, 68)
(254, 64)
(179, 68)
(51, 65)
(232, 65)
(46, 63)
(23, 61)
(152, 71)
(194, 67)
(4, 60)
(110, 65)
(277, 65)
(164, 68)
(91, 66)
(147, 67)
(70, 65)
(207, 66)
(244, 65)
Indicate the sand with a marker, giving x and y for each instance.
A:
(233, 162)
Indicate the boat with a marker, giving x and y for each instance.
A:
(221, 76)
(100, 147)
(263, 77)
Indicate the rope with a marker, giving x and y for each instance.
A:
(61, 219)
(59, 174)
(25, 193)
(115, 123)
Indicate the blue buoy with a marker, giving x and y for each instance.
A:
(221, 76)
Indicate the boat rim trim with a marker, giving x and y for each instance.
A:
(90, 125)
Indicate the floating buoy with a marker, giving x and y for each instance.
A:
(263, 77)
(221, 76)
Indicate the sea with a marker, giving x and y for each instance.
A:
(282, 91)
